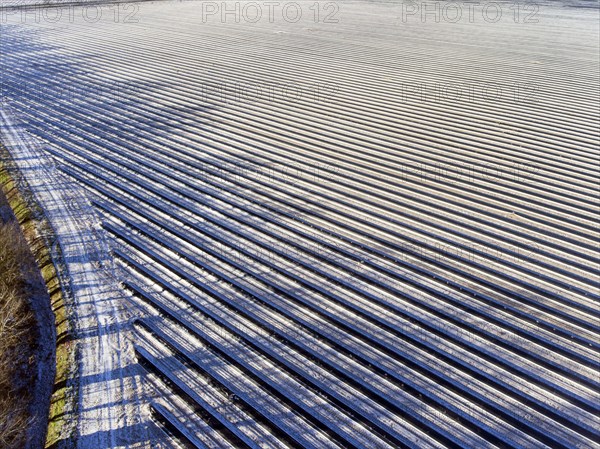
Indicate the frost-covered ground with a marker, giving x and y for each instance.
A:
(374, 225)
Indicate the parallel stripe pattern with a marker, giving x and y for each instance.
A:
(371, 233)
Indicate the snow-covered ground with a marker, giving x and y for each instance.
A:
(370, 226)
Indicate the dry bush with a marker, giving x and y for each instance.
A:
(16, 326)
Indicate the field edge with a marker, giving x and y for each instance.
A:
(39, 234)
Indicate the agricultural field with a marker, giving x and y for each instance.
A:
(362, 224)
